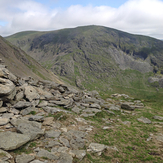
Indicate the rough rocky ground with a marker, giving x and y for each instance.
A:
(46, 122)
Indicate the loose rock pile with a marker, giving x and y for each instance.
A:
(27, 107)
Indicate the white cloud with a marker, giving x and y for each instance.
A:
(135, 16)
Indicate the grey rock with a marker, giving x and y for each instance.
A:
(43, 104)
(22, 105)
(14, 111)
(4, 121)
(1, 103)
(76, 109)
(62, 102)
(65, 158)
(77, 143)
(36, 118)
(144, 120)
(52, 134)
(128, 106)
(7, 115)
(158, 118)
(59, 150)
(19, 96)
(48, 121)
(6, 87)
(64, 141)
(31, 93)
(12, 140)
(92, 110)
(37, 161)
(49, 155)
(5, 73)
(114, 108)
(159, 137)
(80, 154)
(28, 110)
(97, 106)
(87, 115)
(3, 109)
(34, 103)
(31, 130)
(53, 144)
(24, 158)
(95, 147)
(16, 122)
(110, 112)
(4, 155)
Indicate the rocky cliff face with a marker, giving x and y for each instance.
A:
(92, 53)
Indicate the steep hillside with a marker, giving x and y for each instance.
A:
(19, 63)
(95, 57)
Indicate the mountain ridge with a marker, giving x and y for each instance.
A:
(93, 54)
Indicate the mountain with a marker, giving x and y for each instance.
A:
(22, 65)
(95, 57)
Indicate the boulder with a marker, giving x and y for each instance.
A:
(95, 147)
(11, 140)
(31, 93)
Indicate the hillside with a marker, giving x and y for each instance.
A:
(22, 65)
(95, 57)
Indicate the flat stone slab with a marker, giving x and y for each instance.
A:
(95, 147)
(31, 130)
(52, 134)
(47, 154)
(24, 158)
(158, 118)
(144, 120)
(3, 121)
(3, 109)
(11, 140)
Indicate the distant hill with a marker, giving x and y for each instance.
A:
(22, 65)
(95, 56)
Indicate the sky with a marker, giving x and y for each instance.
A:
(144, 17)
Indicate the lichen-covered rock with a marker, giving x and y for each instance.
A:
(12, 140)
